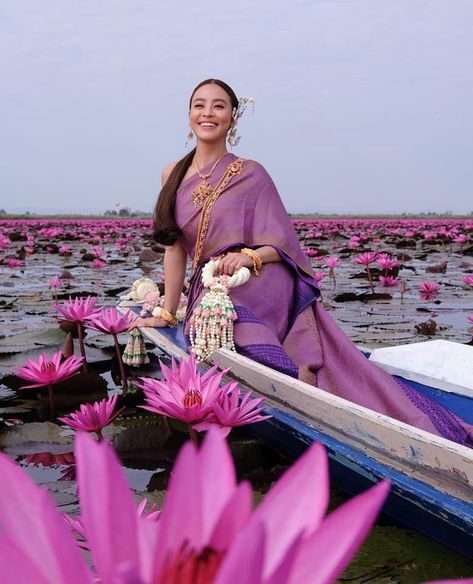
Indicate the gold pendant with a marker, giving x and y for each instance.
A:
(201, 192)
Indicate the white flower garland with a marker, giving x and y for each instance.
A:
(211, 323)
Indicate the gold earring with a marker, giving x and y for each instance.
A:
(190, 135)
(232, 138)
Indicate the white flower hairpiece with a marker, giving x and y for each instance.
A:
(243, 103)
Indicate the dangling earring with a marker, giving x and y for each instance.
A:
(232, 138)
(189, 137)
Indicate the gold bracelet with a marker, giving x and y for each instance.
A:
(165, 315)
(253, 255)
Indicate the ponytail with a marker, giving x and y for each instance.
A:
(166, 230)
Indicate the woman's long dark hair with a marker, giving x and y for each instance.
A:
(166, 231)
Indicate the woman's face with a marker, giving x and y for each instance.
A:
(210, 115)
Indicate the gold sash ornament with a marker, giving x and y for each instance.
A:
(233, 169)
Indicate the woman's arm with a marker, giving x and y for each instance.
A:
(234, 261)
(175, 258)
(174, 273)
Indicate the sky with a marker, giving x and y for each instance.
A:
(362, 106)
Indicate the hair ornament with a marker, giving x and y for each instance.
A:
(237, 112)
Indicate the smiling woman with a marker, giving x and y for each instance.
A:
(217, 206)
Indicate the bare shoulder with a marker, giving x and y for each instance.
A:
(167, 171)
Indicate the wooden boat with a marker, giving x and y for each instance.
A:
(432, 477)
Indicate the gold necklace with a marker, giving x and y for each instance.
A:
(203, 190)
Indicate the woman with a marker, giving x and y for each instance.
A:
(214, 204)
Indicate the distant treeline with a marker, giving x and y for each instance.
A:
(125, 213)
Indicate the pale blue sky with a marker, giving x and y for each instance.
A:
(363, 106)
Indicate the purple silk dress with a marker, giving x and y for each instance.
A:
(280, 322)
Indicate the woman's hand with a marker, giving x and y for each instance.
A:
(233, 262)
(152, 321)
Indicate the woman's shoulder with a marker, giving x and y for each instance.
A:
(167, 171)
(256, 167)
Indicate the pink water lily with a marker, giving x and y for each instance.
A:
(94, 417)
(366, 259)
(388, 281)
(184, 393)
(428, 290)
(385, 261)
(78, 311)
(234, 408)
(468, 281)
(112, 322)
(198, 399)
(48, 372)
(224, 541)
(98, 263)
(332, 262)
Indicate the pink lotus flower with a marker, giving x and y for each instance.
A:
(228, 412)
(366, 259)
(65, 250)
(184, 393)
(428, 290)
(385, 261)
(468, 281)
(49, 372)
(79, 309)
(98, 251)
(388, 281)
(110, 321)
(311, 253)
(332, 262)
(93, 417)
(14, 262)
(318, 277)
(224, 540)
(55, 282)
(98, 263)
(470, 318)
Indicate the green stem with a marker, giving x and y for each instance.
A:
(80, 334)
(370, 279)
(99, 435)
(120, 363)
(51, 400)
(193, 435)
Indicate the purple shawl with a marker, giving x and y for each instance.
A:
(280, 323)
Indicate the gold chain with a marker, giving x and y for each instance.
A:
(203, 190)
(233, 169)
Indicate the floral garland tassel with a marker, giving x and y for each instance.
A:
(211, 323)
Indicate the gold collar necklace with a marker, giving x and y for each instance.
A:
(203, 189)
